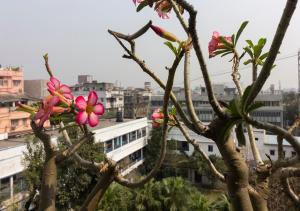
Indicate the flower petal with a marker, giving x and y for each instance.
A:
(68, 96)
(80, 103)
(93, 119)
(50, 86)
(56, 82)
(44, 118)
(81, 117)
(93, 98)
(65, 89)
(99, 109)
(53, 101)
(39, 114)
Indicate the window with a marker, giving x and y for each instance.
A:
(108, 146)
(139, 134)
(132, 136)
(124, 139)
(256, 139)
(16, 82)
(3, 82)
(144, 131)
(14, 123)
(210, 148)
(283, 152)
(117, 142)
(293, 153)
(272, 152)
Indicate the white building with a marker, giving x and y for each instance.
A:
(267, 144)
(123, 142)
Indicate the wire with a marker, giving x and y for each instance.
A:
(226, 72)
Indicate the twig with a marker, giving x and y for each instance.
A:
(179, 16)
(197, 147)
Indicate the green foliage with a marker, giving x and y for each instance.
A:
(239, 32)
(142, 5)
(169, 194)
(221, 204)
(255, 52)
(175, 50)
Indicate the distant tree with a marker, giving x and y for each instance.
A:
(291, 107)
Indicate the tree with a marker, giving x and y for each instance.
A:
(61, 109)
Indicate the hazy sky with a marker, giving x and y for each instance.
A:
(74, 33)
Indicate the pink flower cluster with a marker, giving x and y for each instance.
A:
(60, 100)
(215, 43)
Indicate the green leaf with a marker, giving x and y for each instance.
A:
(234, 107)
(265, 55)
(248, 50)
(227, 45)
(258, 48)
(233, 38)
(245, 95)
(247, 62)
(226, 130)
(173, 111)
(225, 54)
(250, 43)
(142, 5)
(172, 47)
(240, 134)
(254, 106)
(241, 29)
(25, 110)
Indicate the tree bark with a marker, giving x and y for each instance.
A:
(49, 183)
(93, 199)
(237, 177)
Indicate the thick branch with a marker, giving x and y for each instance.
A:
(274, 49)
(94, 197)
(188, 94)
(193, 32)
(277, 130)
(197, 147)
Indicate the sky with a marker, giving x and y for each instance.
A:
(74, 34)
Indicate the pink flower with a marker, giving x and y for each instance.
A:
(216, 44)
(89, 110)
(48, 107)
(163, 8)
(55, 86)
(157, 118)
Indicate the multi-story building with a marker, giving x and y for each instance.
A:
(123, 141)
(12, 93)
(36, 88)
(110, 96)
(82, 79)
(271, 112)
(137, 101)
(11, 80)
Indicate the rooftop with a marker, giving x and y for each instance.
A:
(12, 142)
(104, 123)
(5, 98)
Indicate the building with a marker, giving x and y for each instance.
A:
(11, 93)
(11, 80)
(137, 101)
(271, 112)
(36, 88)
(82, 79)
(110, 96)
(123, 142)
(267, 144)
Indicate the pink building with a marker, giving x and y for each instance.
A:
(11, 93)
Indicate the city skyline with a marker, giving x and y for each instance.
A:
(74, 33)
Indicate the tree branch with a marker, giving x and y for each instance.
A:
(277, 130)
(274, 49)
(188, 94)
(197, 147)
(162, 153)
(193, 32)
(157, 80)
(179, 16)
